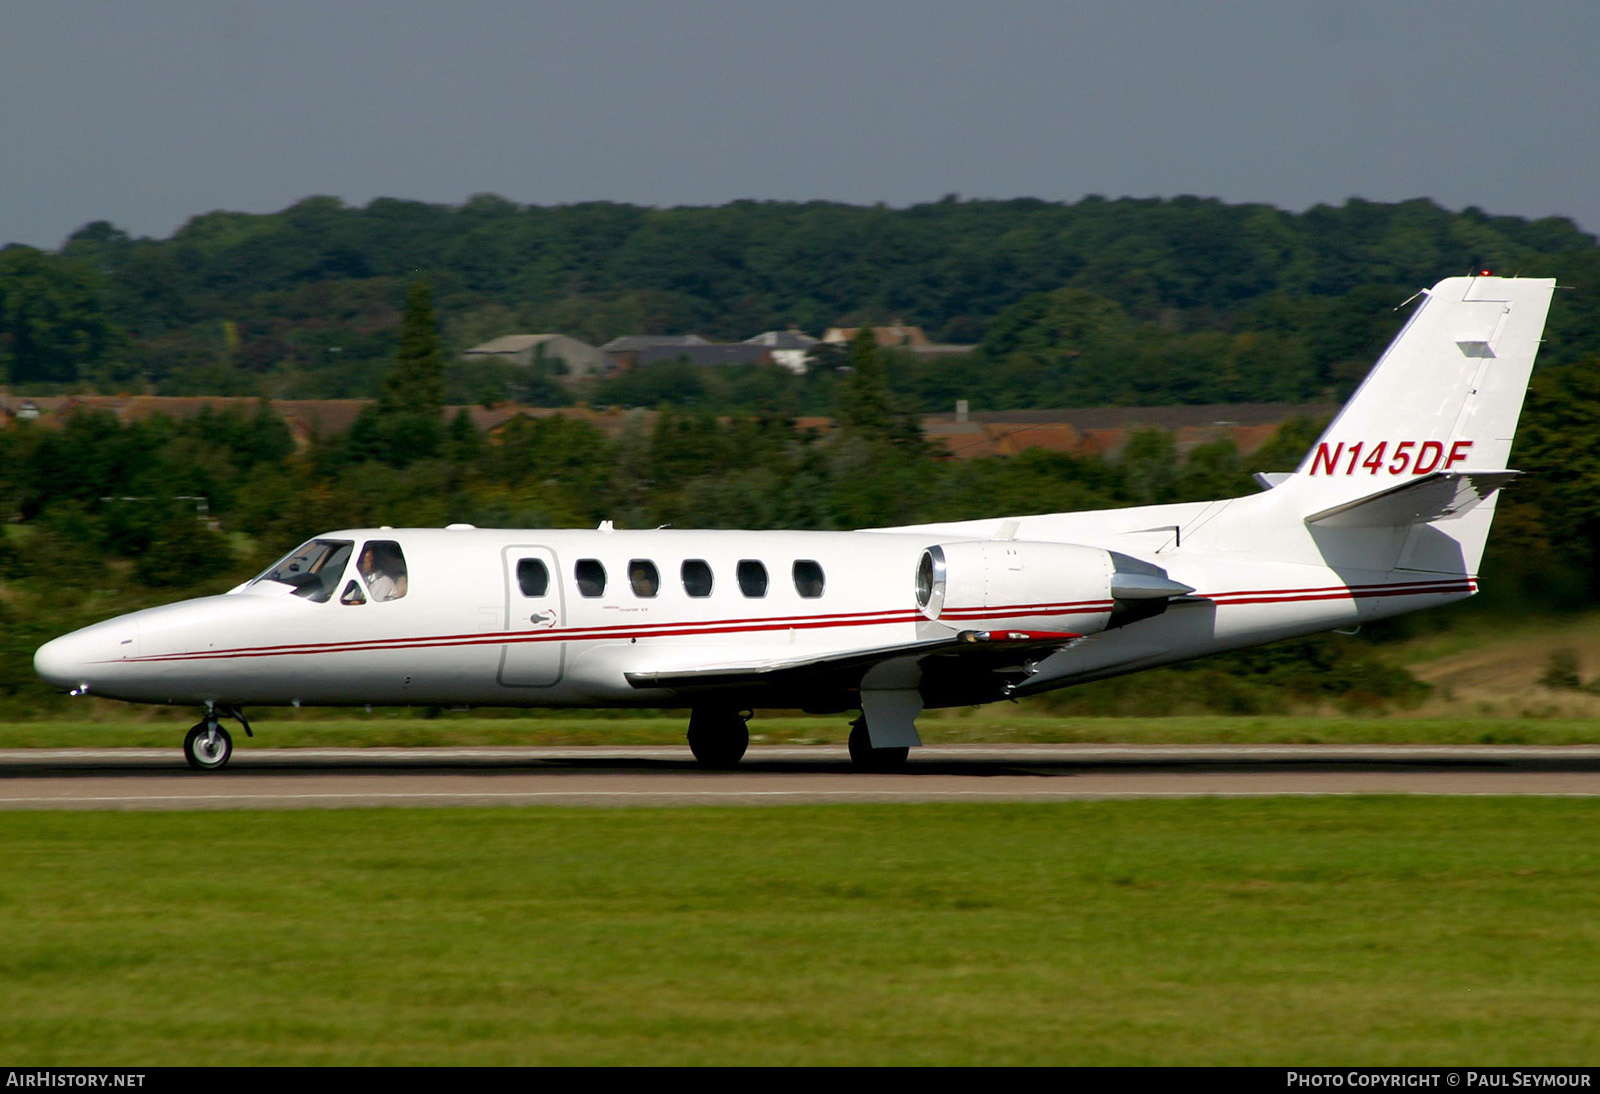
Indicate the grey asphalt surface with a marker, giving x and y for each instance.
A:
(267, 778)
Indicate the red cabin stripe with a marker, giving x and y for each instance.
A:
(827, 621)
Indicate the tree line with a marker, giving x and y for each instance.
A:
(1092, 302)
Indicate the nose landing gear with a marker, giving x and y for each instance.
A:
(208, 746)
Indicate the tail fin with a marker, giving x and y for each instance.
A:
(1441, 403)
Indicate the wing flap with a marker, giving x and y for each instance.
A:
(972, 649)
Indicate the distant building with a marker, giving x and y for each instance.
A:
(715, 353)
(578, 359)
(897, 336)
(788, 347)
(624, 352)
(630, 342)
(1105, 431)
(307, 419)
(965, 434)
(641, 350)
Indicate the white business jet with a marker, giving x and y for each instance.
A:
(1388, 513)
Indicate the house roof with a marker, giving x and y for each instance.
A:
(782, 339)
(897, 335)
(1084, 431)
(718, 353)
(513, 343)
(630, 343)
(1106, 430)
(1171, 418)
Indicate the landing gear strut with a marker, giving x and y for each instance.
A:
(867, 758)
(718, 737)
(208, 746)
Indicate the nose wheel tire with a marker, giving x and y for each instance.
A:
(207, 747)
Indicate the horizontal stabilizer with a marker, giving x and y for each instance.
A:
(1442, 495)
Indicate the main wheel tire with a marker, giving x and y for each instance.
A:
(207, 749)
(718, 738)
(867, 758)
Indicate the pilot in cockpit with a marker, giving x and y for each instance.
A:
(381, 583)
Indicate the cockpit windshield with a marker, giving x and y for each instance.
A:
(313, 570)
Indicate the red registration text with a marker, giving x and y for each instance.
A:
(1396, 458)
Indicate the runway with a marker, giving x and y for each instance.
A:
(266, 778)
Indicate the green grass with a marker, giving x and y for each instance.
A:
(996, 724)
(1274, 931)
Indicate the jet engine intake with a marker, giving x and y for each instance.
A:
(1023, 586)
(1016, 586)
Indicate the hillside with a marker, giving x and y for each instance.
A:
(1129, 301)
(1502, 667)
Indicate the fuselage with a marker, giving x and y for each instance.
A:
(495, 617)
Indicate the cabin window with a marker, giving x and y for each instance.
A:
(752, 577)
(352, 593)
(312, 571)
(696, 574)
(591, 577)
(643, 577)
(383, 568)
(808, 580)
(533, 578)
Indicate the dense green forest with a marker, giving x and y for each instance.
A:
(1127, 301)
(1132, 301)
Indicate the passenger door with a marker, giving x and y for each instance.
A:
(532, 656)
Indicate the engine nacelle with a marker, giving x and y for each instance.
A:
(1017, 586)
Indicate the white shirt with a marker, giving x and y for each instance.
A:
(381, 585)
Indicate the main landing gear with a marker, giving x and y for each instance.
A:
(208, 746)
(867, 758)
(718, 737)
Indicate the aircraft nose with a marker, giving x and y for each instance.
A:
(71, 661)
(60, 662)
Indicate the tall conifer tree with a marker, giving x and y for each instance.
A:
(416, 385)
(864, 400)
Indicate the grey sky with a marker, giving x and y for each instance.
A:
(147, 112)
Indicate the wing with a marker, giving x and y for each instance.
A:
(964, 653)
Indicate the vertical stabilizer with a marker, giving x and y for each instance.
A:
(1444, 398)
